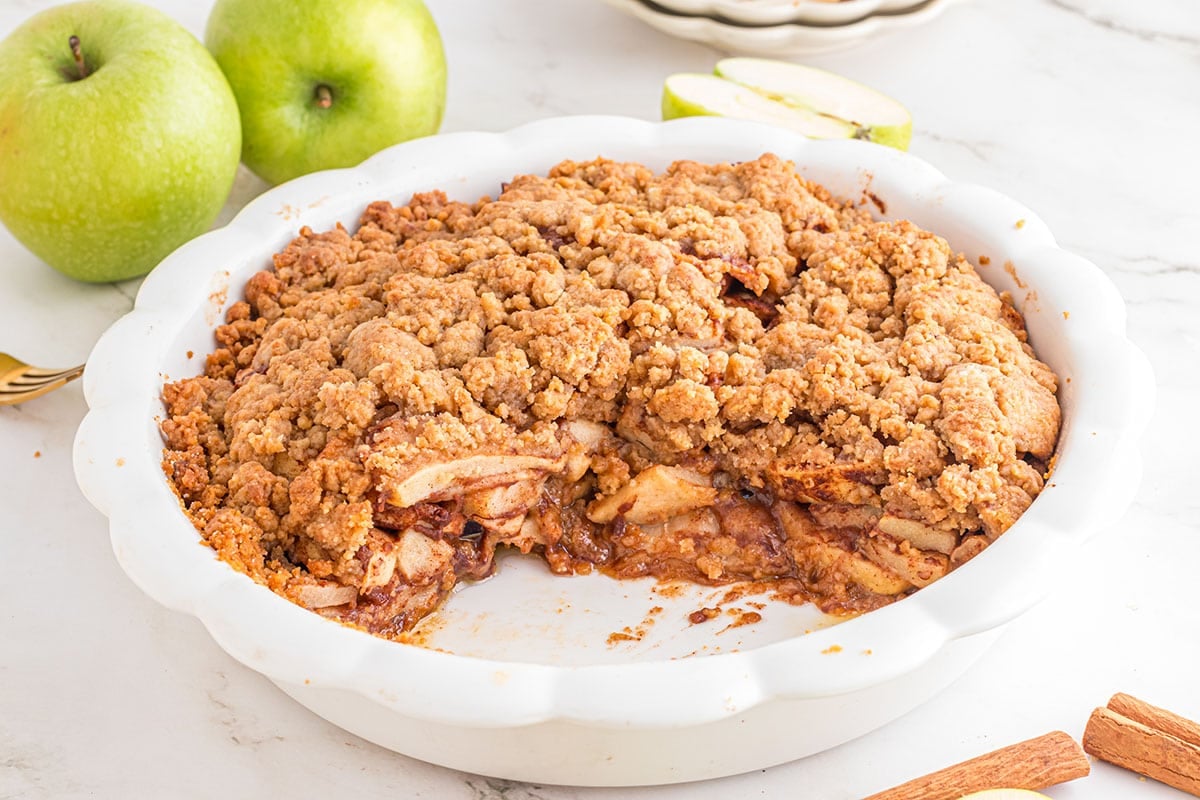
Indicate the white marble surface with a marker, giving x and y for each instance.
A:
(1085, 110)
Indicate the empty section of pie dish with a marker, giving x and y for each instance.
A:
(783, 39)
(782, 12)
(521, 676)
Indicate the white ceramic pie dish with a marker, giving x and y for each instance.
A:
(522, 678)
(782, 12)
(783, 39)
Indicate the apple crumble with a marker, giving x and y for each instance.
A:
(719, 373)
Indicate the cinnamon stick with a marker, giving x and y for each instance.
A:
(1032, 764)
(1154, 717)
(1147, 751)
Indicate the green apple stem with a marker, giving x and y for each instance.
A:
(323, 95)
(77, 52)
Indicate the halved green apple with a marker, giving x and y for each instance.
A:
(813, 102)
(877, 117)
(692, 95)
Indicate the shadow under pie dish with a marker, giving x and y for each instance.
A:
(546, 695)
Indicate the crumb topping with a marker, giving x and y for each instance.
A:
(773, 372)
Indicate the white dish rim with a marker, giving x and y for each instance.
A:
(785, 12)
(786, 39)
(292, 645)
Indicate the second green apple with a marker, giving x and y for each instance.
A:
(327, 83)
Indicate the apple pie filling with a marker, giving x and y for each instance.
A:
(718, 373)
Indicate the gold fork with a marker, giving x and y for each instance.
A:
(20, 381)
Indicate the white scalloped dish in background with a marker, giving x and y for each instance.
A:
(782, 12)
(528, 682)
(785, 39)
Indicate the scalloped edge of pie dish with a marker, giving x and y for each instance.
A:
(785, 12)
(1077, 322)
(786, 39)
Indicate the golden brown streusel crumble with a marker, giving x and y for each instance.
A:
(716, 374)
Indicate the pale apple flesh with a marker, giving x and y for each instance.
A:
(326, 83)
(877, 117)
(119, 138)
(689, 95)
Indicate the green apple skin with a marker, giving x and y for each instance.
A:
(691, 95)
(104, 176)
(879, 118)
(380, 62)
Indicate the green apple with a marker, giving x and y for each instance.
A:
(326, 83)
(813, 102)
(692, 95)
(876, 116)
(119, 138)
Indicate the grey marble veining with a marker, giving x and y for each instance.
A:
(1128, 26)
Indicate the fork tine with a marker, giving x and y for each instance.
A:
(25, 386)
(13, 396)
(13, 391)
(16, 398)
(51, 373)
(37, 372)
(44, 375)
(20, 381)
(40, 376)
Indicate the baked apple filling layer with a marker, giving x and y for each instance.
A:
(718, 373)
